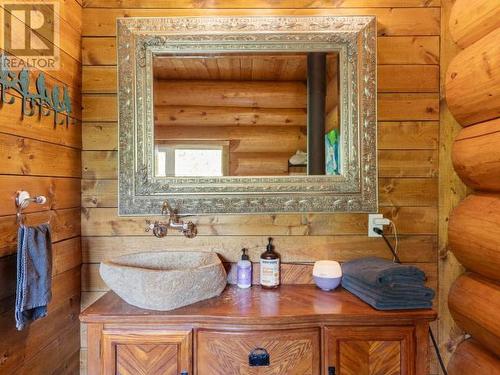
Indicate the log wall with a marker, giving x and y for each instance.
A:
(472, 82)
(474, 301)
(451, 191)
(471, 358)
(41, 159)
(408, 113)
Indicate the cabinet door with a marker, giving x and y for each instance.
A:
(369, 351)
(289, 352)
(146, 352)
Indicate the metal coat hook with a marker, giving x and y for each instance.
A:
(45, 101)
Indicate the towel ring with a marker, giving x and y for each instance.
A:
(23, 199)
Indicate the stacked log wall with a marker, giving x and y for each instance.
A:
(473, 97)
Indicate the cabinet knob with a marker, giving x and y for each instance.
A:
(331, 370)
(258, 357)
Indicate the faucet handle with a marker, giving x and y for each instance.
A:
(189, 230)
(149, 226)
(159, 229)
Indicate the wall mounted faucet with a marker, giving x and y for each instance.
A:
(160, 228)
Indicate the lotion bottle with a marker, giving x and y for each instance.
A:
(269, 267)
(244, 271)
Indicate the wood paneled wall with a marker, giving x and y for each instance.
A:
(41, 159)
(408, 113)
(473, 97)
(251, 149)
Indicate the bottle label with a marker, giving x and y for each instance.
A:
(244, 277)
(269, 272)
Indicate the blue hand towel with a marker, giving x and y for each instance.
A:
(34, 272)
(382, 272)
(380, 302)
(401, 291)
(386, 285)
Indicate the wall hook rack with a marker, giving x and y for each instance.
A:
(43, 101)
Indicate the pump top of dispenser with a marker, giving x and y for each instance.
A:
(269, 253)
(244, 254)
(270, 246)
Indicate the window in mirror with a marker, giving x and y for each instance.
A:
(278, 114)
(188, 160)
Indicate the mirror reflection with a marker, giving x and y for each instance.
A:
(246, 114)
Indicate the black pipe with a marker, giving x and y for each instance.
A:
(316, 93)
(380, 232)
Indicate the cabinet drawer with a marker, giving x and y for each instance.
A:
(291, 352)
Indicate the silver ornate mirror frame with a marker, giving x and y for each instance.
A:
(354, 38)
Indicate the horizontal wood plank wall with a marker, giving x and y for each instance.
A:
(408, 108)
(41, 159)
(248, 134)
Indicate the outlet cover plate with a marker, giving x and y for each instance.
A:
(371, 224)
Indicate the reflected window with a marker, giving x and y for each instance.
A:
(189, 160)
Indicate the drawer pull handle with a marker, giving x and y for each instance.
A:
(258, 357)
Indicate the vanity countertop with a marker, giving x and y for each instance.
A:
(295, 304)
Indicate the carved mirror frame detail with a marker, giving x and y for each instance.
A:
(355, 190)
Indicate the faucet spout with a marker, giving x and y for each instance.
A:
(167, 209)
(160, 228)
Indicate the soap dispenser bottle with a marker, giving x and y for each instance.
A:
(269, 267)
(244, 271)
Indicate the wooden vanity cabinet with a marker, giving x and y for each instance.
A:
(145, 351)
(370, 350)
(299, 330)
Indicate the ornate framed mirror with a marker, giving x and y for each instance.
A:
(247, 114)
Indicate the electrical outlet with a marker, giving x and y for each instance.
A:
(372, 224)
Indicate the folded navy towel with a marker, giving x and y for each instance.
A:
(34, 272)
(411, 291)
(380, 302)
(382, 272)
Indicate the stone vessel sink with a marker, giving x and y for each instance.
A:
(165, 280)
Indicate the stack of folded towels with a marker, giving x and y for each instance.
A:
(386, 285)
